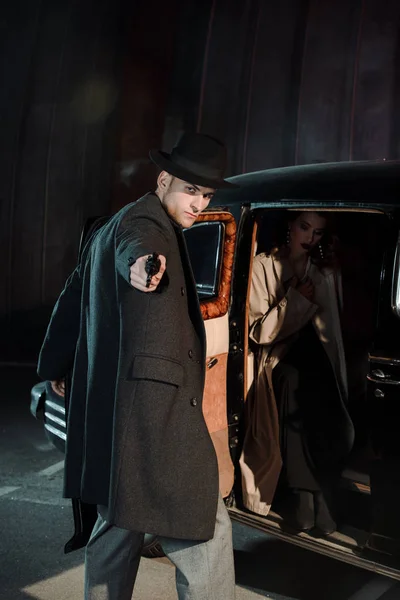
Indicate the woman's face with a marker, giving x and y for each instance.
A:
(306, 232)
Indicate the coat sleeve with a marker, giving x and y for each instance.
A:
(58, 350)
(272, 322)
(57, 354)
(138, 236)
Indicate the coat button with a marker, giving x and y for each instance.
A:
(190, 353)
(193, 402)
(131, 260)
(182, 291)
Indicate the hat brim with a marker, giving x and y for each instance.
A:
(164, 162)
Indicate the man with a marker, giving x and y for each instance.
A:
(137, 443)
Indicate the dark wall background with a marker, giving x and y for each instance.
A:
(58, 94)
(290, 81)
(81, 96)
(86, 88)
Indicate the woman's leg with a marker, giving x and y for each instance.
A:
(298, 481)
(298, 465)
(306, 400)
(302, 418)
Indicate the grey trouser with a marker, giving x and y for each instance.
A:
(204, 570)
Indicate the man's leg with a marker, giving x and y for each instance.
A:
(204, 570)
(111, 561)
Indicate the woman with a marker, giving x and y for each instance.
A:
(298, 429)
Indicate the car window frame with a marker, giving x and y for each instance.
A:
(218, 306)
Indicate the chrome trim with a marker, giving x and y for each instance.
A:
(395, 295)
(56, 407)
(322, 205)
(383, 381)
(56, 432)
(54, 419)
(379, 374)
(384, 360)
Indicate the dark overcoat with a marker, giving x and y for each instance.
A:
(136, 439)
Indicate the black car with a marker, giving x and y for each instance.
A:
(241, 223)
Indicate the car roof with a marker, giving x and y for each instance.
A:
(376, 182)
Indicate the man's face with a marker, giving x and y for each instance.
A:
(183, 201)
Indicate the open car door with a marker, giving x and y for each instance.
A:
(211, 245)
(384, 407)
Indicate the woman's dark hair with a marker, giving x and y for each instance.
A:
(328, 243)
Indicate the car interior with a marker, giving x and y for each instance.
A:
(361, 239)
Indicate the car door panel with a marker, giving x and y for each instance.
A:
(215, 397)
(216, 322)
(215, 415)
(218, 306)
(383, 405)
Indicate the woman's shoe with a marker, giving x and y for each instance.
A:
(323, 518)
(302, 515)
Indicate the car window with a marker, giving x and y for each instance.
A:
(205, 242)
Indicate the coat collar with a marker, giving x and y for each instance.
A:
(155, 200)
(283, 267)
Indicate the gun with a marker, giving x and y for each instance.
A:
(152, 267)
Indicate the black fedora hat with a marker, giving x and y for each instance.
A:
(197, 158)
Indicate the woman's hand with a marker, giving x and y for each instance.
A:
(305, 288)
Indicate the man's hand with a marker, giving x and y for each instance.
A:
(58, 387)
(138, 275)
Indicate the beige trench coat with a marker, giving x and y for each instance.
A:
(275, 318)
